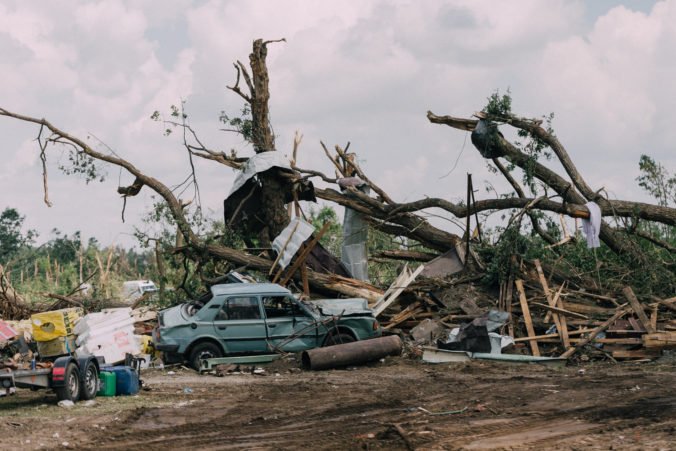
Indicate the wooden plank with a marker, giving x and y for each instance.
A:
(638, 309)
(560, 310)
(526, 317)
(638, 327)
(543, 337)
(396, 290)
(559, 320)
(401, 318)
(545, 288)
(508, 300)
(636, 354)
(613, 341)
(621, 311)
(585, 309)
(667, 304)
(303, 277)
(660, 340)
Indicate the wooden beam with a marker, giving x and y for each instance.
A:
(638, 309)
(561, 311)
(608, 341)
(667, 304)
(559, 320)
(621, 311)
(526, 317)
(660, 340)
(544, 337)
(636, 354)
(398, 286)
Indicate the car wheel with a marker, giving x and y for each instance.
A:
(71, 390)
(339, 339)
(203, 351)
(90, 382)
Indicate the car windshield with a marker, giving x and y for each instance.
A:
(192, 307)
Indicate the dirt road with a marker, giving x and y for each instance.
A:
(467, 406)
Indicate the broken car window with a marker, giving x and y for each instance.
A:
(279, 306)
(239, 308)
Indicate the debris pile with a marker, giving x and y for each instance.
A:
(545, 315)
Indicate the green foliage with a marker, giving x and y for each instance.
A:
(12, 239)
(59, 265)
(177, 118)
(600, 267)
(510, 241)
(383, 273)
(242, 124)
(656, 180)
(499, 105)
(82, 165)
(177, 275)
(333, 237)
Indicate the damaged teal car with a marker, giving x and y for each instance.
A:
(258, 318)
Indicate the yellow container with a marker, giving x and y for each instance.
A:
(58, 346)
(146, 344)
(58, 323)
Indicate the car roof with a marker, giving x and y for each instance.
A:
(248, 288)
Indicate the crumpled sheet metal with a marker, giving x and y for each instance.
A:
(299, 231)
(258, 163)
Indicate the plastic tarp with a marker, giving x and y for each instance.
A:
(288, 242)
(258, 163)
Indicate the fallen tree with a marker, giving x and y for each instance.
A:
(571, 193)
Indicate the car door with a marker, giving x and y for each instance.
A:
(240, 325)
(284, 318)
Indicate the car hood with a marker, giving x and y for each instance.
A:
(344, 307)
(173, 316)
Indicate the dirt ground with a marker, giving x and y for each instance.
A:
(476, 405)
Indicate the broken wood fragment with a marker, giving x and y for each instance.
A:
(526, 317)
(402, 281)
(559, 320)
(621, 311)
(660, 340)
(638, 309)
(560, 310)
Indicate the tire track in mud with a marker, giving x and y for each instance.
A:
(339, 410)
(257, 432)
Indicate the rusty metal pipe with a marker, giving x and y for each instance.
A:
(354, 353)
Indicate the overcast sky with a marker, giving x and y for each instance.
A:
(358, 71)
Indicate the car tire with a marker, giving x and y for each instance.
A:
(71, 389)
(339, 339)
(90, 382)
(201, 351)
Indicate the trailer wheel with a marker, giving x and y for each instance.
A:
(90, 382)
(71, 390)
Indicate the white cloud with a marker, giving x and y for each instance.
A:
(357, 71)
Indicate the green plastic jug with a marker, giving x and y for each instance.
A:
(108, 382)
